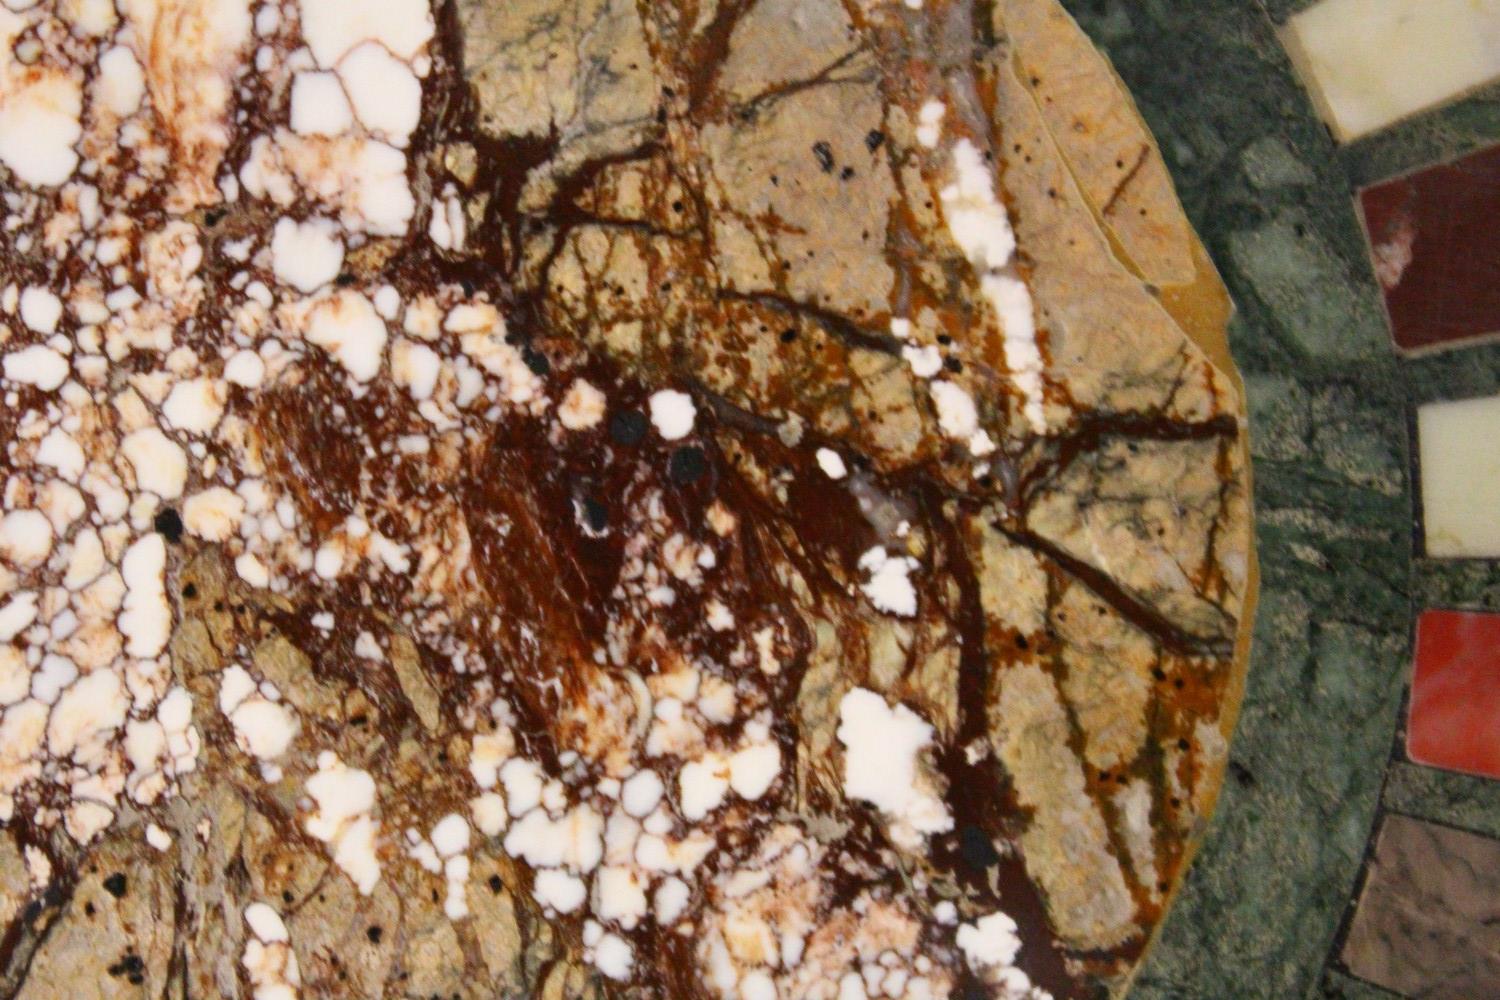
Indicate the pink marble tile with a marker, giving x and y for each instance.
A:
(1454, 720)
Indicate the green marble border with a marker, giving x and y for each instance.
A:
(1330, 401)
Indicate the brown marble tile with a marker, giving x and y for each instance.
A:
(1436, 249)
(1428, 919)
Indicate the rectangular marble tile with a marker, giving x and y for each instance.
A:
(1369, 63)
(1435, 241)
(1427, 922)
(1458, 463)
(1453, 721)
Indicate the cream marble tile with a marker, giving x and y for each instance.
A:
(1369, 63)
(1459, 464)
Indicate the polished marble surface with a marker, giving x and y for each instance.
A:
(1459, 466)
(1369, 63)
(1263, 912)
(1427, 923)
(1453, 720)
(1435, 248)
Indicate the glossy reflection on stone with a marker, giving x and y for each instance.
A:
(1454, 721)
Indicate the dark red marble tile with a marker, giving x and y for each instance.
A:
(1435, 239)
(1454, 721)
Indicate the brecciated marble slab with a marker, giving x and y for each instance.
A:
(1436, 251)
(603, 499)
(1371, 63)
(1454, 717)
(1425, 921)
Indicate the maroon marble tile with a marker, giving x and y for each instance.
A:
(1454, 720)
(1427, 923)
(1435, 241)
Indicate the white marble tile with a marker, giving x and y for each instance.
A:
(1459, 464)
(1369, 63)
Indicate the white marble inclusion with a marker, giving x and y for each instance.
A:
(1370, 63)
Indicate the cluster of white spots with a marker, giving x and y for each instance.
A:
(777, 931)
(448, 227)
(882, 751)
(958, 417)
(930, 123)
(269, 960)
(980, 226)
(345, 798)
(925, 361)
(608, 952)
(990, 946)
(264, 726)
(673, 414)
(444, 852)
(129, 400)
(40, 111)
(629, 849)
(889, 585)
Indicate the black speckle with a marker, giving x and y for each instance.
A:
(1241, 773)
(824, 154)
(677, 205)
(953, 365)
(467, 286)
(190, 590)
(788, 335)
(213, 217)
(846, 173)
(169, 523)
(628, 427)
(536, 361)
(495, 884)
(595, 514)
(873, 139)
(373, 933)
(115, 885)
(1183, 744)
(977, 851)
(1021, 642)
(344, 280)
(687, 465)
(130, 965)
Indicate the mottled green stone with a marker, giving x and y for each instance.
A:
(1330, 403)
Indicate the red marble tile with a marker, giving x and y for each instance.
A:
(1436, 247)
(1454, 720)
